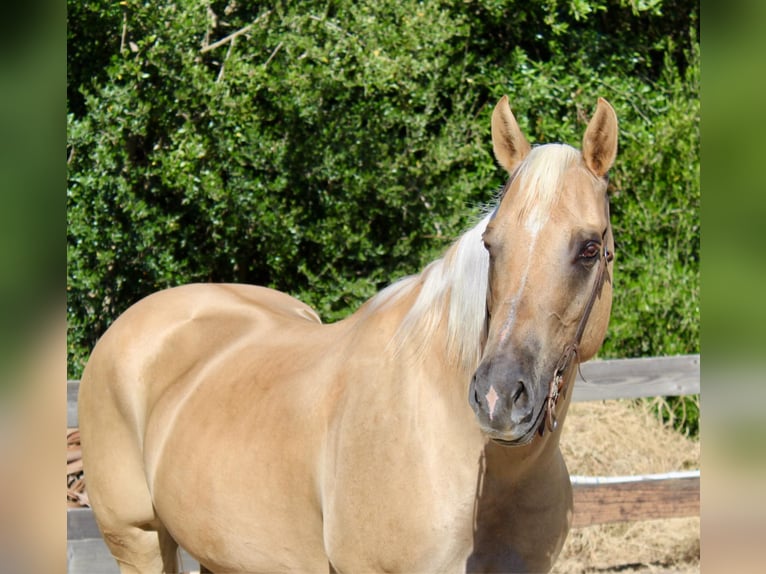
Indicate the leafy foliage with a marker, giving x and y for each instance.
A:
(327, 148)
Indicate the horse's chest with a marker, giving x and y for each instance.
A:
(403, 513)
(434, 541)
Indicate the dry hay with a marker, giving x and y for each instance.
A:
(612, 438)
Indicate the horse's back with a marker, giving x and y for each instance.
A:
(172, 329)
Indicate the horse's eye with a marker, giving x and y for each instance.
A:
(590, 252)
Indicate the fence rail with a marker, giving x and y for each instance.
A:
(636, 378)
(597, 500)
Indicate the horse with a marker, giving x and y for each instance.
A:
(419, 434)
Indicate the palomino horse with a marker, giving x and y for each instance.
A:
(420, 434)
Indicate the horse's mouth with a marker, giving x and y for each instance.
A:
(516, 442)
(523, 440)
(526, 438)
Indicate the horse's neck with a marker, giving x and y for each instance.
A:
(398, 350)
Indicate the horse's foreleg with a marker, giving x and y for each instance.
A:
(141, 551)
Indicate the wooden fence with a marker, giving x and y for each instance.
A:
(597, 500)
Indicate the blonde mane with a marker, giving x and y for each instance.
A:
(456, 285)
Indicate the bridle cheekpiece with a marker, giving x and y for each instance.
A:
(555, 387)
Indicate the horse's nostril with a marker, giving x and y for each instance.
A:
(520, 393)
(475, 396)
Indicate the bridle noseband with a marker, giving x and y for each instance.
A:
(555, 390)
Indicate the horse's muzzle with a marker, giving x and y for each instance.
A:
(505, 401)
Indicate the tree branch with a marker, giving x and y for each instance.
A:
(232, 36)
(274, 53)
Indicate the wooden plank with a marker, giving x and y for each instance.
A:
(72, 388)
(91, 556)
(596, 501)
(604, 380)
(635, 498)
(81, 524)
(634, 378)
(87, 552)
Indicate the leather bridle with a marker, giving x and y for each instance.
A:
(555, 388)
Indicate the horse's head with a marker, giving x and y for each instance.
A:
(549, 296)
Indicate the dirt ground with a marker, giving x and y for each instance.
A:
(611, 438)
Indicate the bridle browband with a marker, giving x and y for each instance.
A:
(555, 390)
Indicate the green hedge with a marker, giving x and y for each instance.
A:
(331, 147)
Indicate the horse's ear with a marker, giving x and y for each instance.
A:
(599, 145)
(509, 144)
